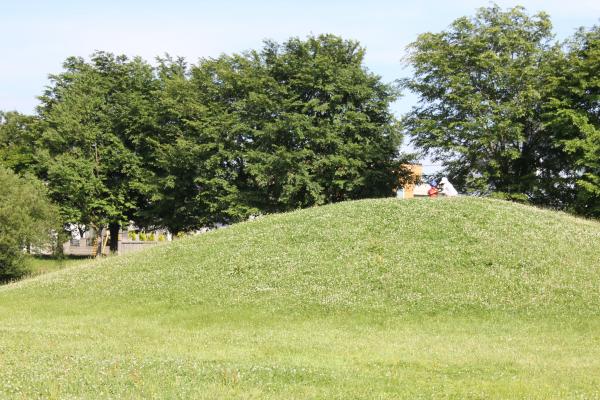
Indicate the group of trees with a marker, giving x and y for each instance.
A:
(509, 111)
(184, 146)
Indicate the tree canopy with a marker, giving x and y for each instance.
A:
(481, 87)
(18, 146)
(572, 115)
(509, 111)
(289, 125)
(94, 118)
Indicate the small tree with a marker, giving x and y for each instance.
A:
(27, 218)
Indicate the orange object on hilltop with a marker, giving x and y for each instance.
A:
(409, 188)
(433, 192)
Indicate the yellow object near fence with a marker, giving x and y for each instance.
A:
(408, 189)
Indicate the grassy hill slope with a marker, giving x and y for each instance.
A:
(370, 299)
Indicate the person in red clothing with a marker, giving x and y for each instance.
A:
(433, 190)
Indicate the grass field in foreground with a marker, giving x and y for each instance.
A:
(451, 298)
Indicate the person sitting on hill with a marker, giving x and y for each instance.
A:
(447, 188)
(433, 190)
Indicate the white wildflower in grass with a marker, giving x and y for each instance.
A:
(454, 298)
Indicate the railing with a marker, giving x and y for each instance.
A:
(90, 247)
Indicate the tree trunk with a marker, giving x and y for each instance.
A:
(114, 228)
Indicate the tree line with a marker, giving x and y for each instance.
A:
(183, 146)
(508, 111)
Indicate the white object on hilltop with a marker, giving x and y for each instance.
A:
(447, 188)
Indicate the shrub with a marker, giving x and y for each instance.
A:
(143, 236)
(27, 218)
(151, 237)
(161, 238)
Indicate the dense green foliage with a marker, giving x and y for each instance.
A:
(572, 115)
(26, 219)
(93, 123)
(193, 158)
(508, 111)
(448, 298)
(481, 91)
(18, 142)
(302, 123)
(289, 126)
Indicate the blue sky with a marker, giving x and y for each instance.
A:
(37, 35)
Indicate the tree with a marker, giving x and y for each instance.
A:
(291, 125)
(192, 156)
(27, 218)
(18, 142)
(482, 86)
(311, 125)
(572, 115)
(96, 122)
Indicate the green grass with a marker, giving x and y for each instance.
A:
(382, 299)
(37, 265)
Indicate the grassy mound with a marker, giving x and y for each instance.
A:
(370, 299)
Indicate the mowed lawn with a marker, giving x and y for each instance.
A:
(448, 298)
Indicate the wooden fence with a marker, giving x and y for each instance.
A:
(91, 247)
